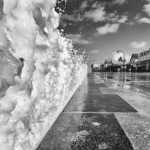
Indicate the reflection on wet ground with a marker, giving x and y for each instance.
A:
(130, 76)
(137, 80)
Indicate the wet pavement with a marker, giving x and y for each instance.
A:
(137, 80)
(105, 113)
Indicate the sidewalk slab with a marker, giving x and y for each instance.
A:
(86, 132)
(137, 129)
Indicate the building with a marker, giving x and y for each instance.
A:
(108, 64)
(134, 59)
(144, 59)
(95, 67)
(121, 63)
(134, 62)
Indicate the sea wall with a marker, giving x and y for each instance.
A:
(39, 72)
(41, 128)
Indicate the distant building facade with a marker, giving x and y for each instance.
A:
(144, 59)
(138, 63)
(95, 67)
(134, 62)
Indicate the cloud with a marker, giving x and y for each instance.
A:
(137, 16)
(95, 4)
(120, 2)
(77, 39)
(144, 20)
(113, 17)
(108, 28)
(94, 51)
(138, 44)
(99, 15)
(96, 15)
(74, 17)
(123, 19)
(140, 20)
(147, 7)
(84, 5)
(131, 23)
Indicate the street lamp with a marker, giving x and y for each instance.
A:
(118, 51)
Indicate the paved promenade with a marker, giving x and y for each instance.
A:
(104, 114)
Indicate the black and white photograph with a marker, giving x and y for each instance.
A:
(74, 74)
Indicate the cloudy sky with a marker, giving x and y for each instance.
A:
(102, 27)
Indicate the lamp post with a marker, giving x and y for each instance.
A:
(118, 51)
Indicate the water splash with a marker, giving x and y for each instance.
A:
(50, 70)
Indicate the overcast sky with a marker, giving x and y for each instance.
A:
(104, 26)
